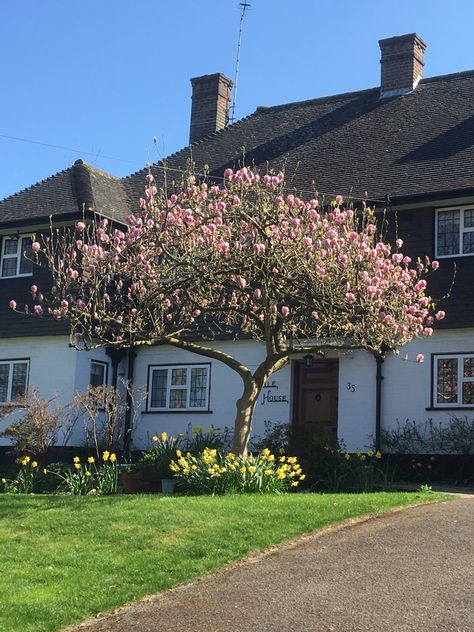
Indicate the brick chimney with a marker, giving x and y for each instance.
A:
(210, 108)
(402, 64)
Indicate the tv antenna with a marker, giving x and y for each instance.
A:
(245, 5)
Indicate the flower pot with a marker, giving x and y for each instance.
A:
(132, 483)
(168, 485)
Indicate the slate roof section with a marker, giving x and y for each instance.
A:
(66, 194)
(419, 143)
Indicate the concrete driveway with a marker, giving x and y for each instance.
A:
(410, 570)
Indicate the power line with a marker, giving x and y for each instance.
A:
(77, 151)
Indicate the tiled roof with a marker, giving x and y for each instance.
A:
(419, 143)
(67, 193)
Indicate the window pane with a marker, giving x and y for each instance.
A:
(9, 267)
(198, 388)
(468, 242)
(178, 398)
(4, 372)
(178, 377)
(10, 247)
(97, 374)
(447, 372)
(468, 367)
(469, 219)
(20, 373)
(448, 232)
(468, 393)
(158, 388)
(26, 250)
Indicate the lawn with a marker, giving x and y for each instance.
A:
(65, 558)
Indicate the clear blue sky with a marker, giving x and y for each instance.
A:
(105, 77)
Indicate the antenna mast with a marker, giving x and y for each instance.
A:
(245, 5)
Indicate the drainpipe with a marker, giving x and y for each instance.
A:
(115, 356)
(378, 400)
(127, 431)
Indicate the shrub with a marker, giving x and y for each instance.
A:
(41, 424)
(215, 473)
(454, 437)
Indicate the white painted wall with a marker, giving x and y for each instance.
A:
(57, 369)
(52, 367)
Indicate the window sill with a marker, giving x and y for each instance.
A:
(16, 276)
(186, 411)
(448, 408)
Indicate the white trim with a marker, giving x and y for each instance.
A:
(18, 255)
(462, 230)
(186, 386)
(460, 357)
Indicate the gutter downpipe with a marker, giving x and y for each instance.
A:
(127, 430)
(379, 359)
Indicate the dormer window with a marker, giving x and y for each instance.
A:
(15, 259)
(455, 232)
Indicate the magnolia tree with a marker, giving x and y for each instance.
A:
(244, 260)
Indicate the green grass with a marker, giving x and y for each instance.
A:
(65, 558)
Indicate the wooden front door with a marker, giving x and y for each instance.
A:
(315, 397)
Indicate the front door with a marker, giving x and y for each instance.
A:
(315, 397)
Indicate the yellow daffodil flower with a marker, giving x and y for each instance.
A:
(76, 459)
(105, 455)
(88, 473)
(378, 454)
(90, 459)
(164, 436)
(77, 466)
(347, 456)
(294, 483)
(34, 464)
(113, 458)
(197, 429)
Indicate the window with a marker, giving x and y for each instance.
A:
(98, 375)
(15, 257)
(454, 380)
(13, 379)
(455, 232)
(179, 387)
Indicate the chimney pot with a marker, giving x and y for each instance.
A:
(402, 63)
(210, 105)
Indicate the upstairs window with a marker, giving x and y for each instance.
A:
(15, 259)
(455, 232)
(453, 380)
(13, 379)
(178, 388)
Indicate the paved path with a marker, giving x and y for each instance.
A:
(411, 570)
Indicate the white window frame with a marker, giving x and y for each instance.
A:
(18, 255)
(11, 363)
(460, 357)
(105, 366)
(170, 387)
(462, 230)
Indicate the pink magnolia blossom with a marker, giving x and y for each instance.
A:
(12, 304)
(285, 311)
(420, 357)
(440, 315)
(36, 246)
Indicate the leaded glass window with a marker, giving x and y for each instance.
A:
(15, 259)
(454, 232)
(13, 379)
(454, 380)
(179, 387)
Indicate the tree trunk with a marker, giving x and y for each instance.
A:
(243, 419)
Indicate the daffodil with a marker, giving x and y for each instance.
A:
(164, 436)
(88, 473)
(197, 429)
(105, 455)
(77, 466)
(347, 456)
(4, 480)
(113, 458)
(76, 459)
(34, 464)
(90, 459)
(378, 454)
(154, 438)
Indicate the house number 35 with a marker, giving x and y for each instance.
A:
(351, 387)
